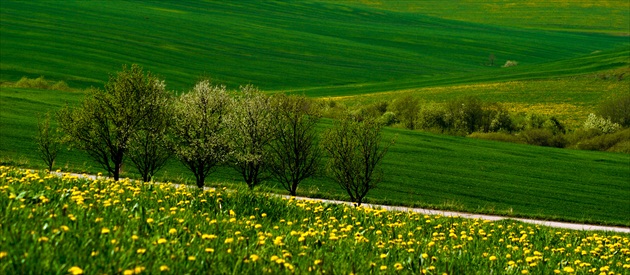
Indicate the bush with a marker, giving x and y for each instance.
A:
(604, 125)
(432, 117)
(501, 136)
(606, 142)
(38, 83)
(60, 86)
(510, 63)
(543, 137)
(465, 115)
(406, 109)
(388, 119)
(616, 110)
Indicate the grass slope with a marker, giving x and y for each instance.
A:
(608, 16)
(274, 45)
(421, 169)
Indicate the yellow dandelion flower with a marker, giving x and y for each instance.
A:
(524, 271)
(274, 258)
(398, 266)
(164, 268)
(105, 230)
(42, 239)
(253, 257)
(75, 270)
(172, 231)
(383, 267)
(65, 228)
(192, 258)
(128, 272)
(210, 250)
(383, 256)
(229, 240)
(134, 237)
(3, 254)
(141, 250)
(138, 269)
(161, 240)
(568, 269)
(492, 258)
(150, 220)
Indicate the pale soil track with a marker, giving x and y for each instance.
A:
(554, 224)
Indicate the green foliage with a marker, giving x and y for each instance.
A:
(600, 124)
(295, 155)
(605, 141)
(107, 120)
(251, 131)
(148, 147)
(406, 109)
(41, 83)
(355, 154)
(199, 129)
(617, 109)
(48, 141)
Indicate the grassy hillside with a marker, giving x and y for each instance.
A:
(421, 169)
(274, 45)
(608, 16)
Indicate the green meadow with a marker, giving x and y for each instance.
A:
(356, 53)
(294, 45)
(422, 169)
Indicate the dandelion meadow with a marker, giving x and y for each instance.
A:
(67, 225)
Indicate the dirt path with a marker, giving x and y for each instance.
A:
(565, 225)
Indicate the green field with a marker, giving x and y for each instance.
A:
(422, 169)
(78, 226)
(294, 45)
(355, 53)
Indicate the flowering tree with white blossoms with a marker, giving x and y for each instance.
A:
(199, 129)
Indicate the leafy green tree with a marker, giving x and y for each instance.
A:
(294, 155)
(107, 119)
(251, 133)
(200, 139)
(355, 153)
(148, 148)
(48, 141)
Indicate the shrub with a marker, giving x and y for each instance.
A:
(510, 63)
(501, 136)
(606, 142)
(432, 117)
(406, 109)
(543, 137)
(464, 115)
(388, 119)
(616, 110)
(604, 125)
(60, 86)
(37, 83)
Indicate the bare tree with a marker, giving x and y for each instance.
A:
(48, 141)
(199, 130)
(354, 154)
(251, 133)
(107, 119)
(295, 155)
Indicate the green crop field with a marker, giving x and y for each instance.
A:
(355, 52)
(295, 45)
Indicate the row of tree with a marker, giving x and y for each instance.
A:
(261, 136)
